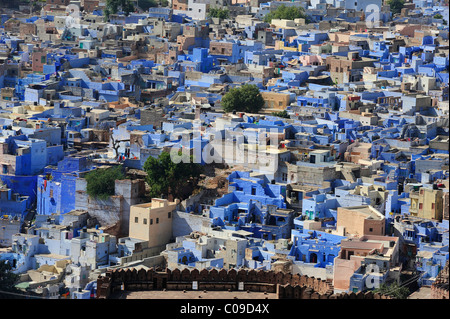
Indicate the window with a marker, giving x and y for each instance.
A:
(432, 205)
(420, 205)
(371, 229)
(136, 219)
(151, 221)
(145, 221)
(157, 220)
(169, 215)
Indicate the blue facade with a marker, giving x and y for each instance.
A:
(252, 205)
(316, 247)
(56, 188)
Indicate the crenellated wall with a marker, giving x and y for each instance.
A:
(285, 285)
(304, 292)
(252, 280)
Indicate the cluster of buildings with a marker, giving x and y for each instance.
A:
(351, 186)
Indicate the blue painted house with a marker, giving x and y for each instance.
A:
(56, 187)
(253, 205)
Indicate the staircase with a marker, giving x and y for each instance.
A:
(348, 175)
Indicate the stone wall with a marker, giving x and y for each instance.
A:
(252, 280)
(304, 292)
(116, 208)
(446, 205)
(285, 285)
(152, 117)
(439, 289)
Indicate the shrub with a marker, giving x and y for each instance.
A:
(101, 182)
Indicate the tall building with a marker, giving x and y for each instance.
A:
(427, 203)
(153, 221)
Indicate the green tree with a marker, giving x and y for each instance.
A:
(283, 114)
(393, 290)
(165, 177)
(113, 6)
(8, 279)
(287, 13)
(219, 13)
(438, 16)
(146, 4)
(101, 182)
(396, 5)
(246, 98)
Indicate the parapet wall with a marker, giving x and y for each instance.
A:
(284, 284)
(289, 291)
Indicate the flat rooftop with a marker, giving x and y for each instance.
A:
(367, 210)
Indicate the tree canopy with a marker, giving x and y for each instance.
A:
(246, 98)
(101, 182)
(285, 12)
(219, 13)
(113, 6)
(8, 279)
(393, 290)
(147, 4)
(283, 114)
(396, 5)
(165, 177)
